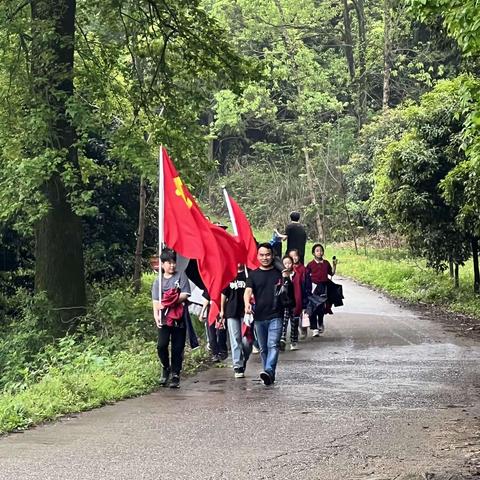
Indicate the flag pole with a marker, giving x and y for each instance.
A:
(161, 215)
(230, 212)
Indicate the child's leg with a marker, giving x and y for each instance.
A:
(162, 345)
(179, 336)
(284, 326)
(294, 329)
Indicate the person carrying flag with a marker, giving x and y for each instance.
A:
(169, 314)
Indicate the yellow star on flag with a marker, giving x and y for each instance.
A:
(180, 192)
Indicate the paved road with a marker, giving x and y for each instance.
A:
(383, 394)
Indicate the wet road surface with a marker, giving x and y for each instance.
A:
(382, 395)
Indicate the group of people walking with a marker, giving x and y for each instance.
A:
(257, 307)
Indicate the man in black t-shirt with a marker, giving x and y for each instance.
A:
(233, 310)
(267, 312)
(296, 236)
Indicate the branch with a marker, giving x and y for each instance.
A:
(18, 9)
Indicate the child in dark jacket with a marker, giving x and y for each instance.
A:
(318, 272)
(289, 304)
(300, 288)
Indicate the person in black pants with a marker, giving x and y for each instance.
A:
(216, 332)
(169, 316)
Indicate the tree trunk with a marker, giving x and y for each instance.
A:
(456, 277)
(362, 64)
(450, 267)
(347, 213)
(59, 267)
(137, 274)
(313, 198)
(387, 52)
(348, 40)
(476, 271)
(364, 230)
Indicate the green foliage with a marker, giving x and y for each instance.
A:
(111, 356)
(462, 21)
(405, 158)
(459, 16)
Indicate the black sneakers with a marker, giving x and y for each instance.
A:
(266, 378)
(223, 355)
(165, 377)
(175, 382)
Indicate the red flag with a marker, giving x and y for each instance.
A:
(220, 266)
(245, 234)
(184, 222)
(189, 233)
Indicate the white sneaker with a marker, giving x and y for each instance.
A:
(315, 333)
(293, 346)
(255, 349)
(239, 373)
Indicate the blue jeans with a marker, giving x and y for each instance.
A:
(268, 336)
(241, 348)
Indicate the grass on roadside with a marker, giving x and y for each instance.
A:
(115, 358)
(396, 273)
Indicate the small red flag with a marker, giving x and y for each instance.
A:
(245, 234)
(220, 266)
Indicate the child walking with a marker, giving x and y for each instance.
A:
(318, 271)
(288, 303)
(169, 314)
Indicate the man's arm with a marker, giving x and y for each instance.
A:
(281, 235)
(222, 305)
(247, 297)
(203, 311)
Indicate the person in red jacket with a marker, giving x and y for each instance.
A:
(318, 271)
(301, 293)
(169, 317)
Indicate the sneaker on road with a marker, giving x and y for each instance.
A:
(315, 333)
(266, 378)
(239, 373)
(165, 377)
(255, 349)
(223, 355)
(293, 346)
(175, 382)
(283, 344)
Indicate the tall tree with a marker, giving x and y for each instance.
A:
(59, 266)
